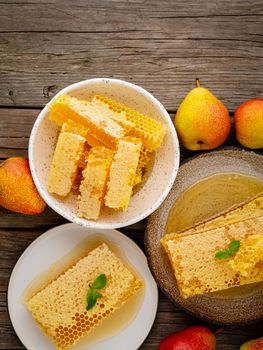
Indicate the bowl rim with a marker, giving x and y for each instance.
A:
(96, 224)
(202, 313)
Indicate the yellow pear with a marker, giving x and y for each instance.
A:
(202, 121)
(255, 344)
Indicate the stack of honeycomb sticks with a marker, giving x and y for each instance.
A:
(103, 150)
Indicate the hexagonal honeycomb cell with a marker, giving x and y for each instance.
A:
(122, 173)
(60, 307)
(192, 257)
(65, 163)
(65, 108)
(79, 129)
(93, 185)
(134, 123)
(248, 261)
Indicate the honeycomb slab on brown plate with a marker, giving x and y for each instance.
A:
(220, 196)
(192, 256)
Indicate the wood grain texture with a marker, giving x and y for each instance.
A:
(161, 45)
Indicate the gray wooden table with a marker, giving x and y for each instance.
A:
(161, 45)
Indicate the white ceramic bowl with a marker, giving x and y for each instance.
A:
(150, 196)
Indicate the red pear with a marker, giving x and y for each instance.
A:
(192, 338)
(17, 189)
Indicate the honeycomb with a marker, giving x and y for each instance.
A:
(65, 162)
(192, 258)
(138, 177)
(60, 307)
(66, 108)
(144, 159)
(93, 185)
(76, 128)
(135, 124)
(102, 122)
(122, 173)
(248, 261)
(251, 209)
(81, 167)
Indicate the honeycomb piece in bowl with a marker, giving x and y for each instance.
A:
(81, 166)
(65, 163)
(122, 173)
(93, 185)
(145, 157)
(135, 124)
(60, 308)
(79, 129)
(138, 177)
(65, 108)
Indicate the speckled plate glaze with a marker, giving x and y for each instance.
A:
(160, 180)
(214, 307)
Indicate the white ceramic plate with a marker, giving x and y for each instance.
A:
(52, 246)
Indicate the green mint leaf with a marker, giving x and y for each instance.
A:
(223, 254)
(230, 251)
(92, 297)
(234, 247)
(100, 282)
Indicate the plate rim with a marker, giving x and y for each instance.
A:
(44, 236)
(230, 149)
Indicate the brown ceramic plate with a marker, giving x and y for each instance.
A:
(240, 305)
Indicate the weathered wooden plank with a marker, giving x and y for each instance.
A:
(162, 48)
(12, 245)
(15, 128)
(9, 219)
(13, 241)
(167, 69)
(46, 219)
(112, 15)
(16, 123)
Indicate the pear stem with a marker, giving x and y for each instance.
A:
(197, 82)
(218, 331)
